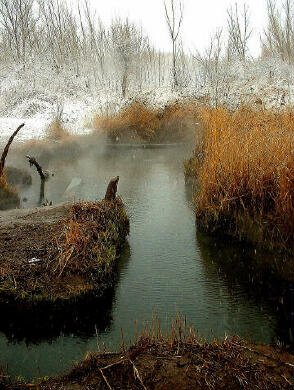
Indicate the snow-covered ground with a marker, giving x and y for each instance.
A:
(37, 94)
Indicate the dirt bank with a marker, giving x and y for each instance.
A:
(190, 364)
(60, 252)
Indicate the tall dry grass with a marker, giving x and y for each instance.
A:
(246, 174)
(56, 131)
(140, 123)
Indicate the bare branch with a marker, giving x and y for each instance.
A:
(5, 151)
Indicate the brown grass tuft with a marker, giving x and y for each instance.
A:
(56, 132)
(138, 123)
(246, 175)
(91, 236)
(179, 360)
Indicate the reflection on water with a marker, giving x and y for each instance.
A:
(241, 266)
(46, 322)
(168, 269)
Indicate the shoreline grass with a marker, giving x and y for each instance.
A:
(74, 255)
(138, 122)
(178, 358)
(244, 168)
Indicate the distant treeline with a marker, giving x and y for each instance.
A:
(121, 56)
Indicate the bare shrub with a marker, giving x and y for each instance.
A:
(279, 35)
(239, 32)
(174, 19)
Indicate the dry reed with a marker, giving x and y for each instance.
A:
(246, 174)
(138, 123)
(56, 132)
(179, 360)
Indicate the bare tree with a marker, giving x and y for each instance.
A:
(174, 19)
(18, 22)
(128, 44)
(210, 63)
(279, 35)
(239, 32)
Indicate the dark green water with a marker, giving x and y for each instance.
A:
(167, 268)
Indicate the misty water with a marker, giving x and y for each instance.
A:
(166, 268)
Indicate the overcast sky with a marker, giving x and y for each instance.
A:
(201, 19)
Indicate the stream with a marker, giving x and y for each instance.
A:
(166, 268)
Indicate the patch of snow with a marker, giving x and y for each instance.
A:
(39, 93)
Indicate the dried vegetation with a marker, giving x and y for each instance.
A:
(245, 171)
(180, 360)
(56, 131)
(140, 123)
(47, 256)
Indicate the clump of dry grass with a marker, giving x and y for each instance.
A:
(138, 123)
(246, 174)
(91, 236)
(56, 132)
(179, 360)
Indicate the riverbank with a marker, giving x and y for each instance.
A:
(163, 245)
(60, 252)
(180, 360)
(243, 168)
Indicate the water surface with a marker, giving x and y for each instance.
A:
(166, 268)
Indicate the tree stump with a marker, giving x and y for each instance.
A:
(111, 189)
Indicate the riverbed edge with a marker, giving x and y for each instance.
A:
(109, 238)
(174, 363)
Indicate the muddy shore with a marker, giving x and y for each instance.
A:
(60, 252)
(174, 364)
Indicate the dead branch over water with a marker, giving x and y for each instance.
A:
(40, 171)
(5, 151)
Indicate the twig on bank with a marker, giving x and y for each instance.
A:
(263, 354)
(136, 374)
(283, 376)
(105, 379)
(113, 364)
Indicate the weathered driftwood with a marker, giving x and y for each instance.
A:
(40, 171)
(8, 197)
(5, 151)
(111, 189)
(43, 176)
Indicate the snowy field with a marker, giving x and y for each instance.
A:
(38, 95)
